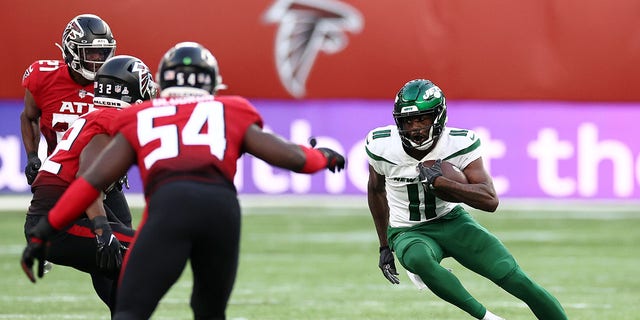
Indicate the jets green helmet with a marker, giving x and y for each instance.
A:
(418, 98)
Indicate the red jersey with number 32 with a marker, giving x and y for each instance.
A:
(192, 136)
(64, 162)
(60, 99)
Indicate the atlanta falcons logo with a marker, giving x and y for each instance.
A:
(73, 31)
(306, 28)
(146, 84)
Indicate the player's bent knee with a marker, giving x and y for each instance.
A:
(502, 269)
(515, 277)
(419, 256)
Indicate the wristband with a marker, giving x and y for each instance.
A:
(315, 160)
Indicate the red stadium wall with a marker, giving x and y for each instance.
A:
(531, 49)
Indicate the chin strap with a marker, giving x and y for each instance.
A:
(422, 147)
(60, 47)
(412, 145)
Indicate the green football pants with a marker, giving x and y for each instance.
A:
(421, 248)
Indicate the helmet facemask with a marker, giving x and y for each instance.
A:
(89, 58)
(420, 138)
(87, 43)
(419, 98)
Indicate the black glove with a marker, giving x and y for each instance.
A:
(429, 174)
(109, 250)
(335, 161)
(387, 265)
(36, 248)
(33, 165)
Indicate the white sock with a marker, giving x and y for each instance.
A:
(491, 316)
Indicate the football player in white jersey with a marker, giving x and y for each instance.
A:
(423, 229)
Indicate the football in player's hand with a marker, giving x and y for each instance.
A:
(450, 172)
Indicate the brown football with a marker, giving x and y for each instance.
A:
(449, 171)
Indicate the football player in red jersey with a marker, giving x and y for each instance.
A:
(91, 244)
(57, 92)
(186, 146)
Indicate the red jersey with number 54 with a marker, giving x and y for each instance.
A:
(65, 160)
(60, 99)
(193, 137)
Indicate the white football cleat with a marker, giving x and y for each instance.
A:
(47, 266)
(491, 316)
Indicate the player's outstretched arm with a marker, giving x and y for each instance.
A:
(284, 154)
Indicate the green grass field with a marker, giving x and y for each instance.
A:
(321, 263)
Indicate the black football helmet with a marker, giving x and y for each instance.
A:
(87, 42)
(188, 69)
(122, 81)
(417, 98)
